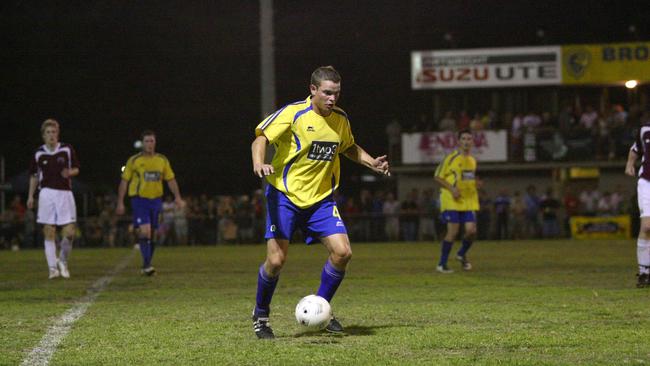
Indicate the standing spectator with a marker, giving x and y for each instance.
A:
(166, 229)
(181, 221)
(549, 206)
(531, 121)
(391, 213)
(226, 213)
(377, 221)
(463, 122)
(605, 206)
(484, 216)
(30, 228)
(428, 212)
(571, 208)
(589, 201)
(365, 204)
(394, 134)
(502, 211)
(409, 216)
(447, 123)
(244, 214)
(476, 124)
(531, 201)
(517, 137)
(518, 216)
(351, 212)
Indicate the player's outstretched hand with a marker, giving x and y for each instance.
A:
(262, 170)
(629, 170)
(381, 165)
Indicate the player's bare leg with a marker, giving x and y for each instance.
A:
(333, 272)
(643, 253)
(49, 233)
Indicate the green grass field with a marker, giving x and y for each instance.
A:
(526, 302)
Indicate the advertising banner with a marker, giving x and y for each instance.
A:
(431, 147)
(612, 63)
(486, 67)
(610, 227)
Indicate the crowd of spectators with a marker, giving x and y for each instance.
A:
(369, 216)
(574, 133)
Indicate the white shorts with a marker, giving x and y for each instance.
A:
(56, 207)
(643, 192)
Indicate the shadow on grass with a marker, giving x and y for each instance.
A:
(350, 331)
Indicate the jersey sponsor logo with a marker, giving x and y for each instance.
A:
(468, 175)
(152, 176)
(60, 160)
(322, 150)
(310, 129)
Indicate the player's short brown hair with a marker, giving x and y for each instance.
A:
(325, 73)
(147, 133)
(50, 122)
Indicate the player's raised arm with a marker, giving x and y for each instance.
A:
(379, 164)
(258, 151)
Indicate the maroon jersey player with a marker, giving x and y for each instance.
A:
(52, 166)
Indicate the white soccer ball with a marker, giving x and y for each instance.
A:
(313, 312)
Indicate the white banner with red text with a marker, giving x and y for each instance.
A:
(431, 147)
(486, 67)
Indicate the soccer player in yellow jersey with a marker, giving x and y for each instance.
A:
(143, 176)
(308, 137)
(456, 176)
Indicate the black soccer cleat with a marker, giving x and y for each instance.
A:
(642, 280)
(262, 328)
(334, 326)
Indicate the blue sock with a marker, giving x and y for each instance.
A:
(145, 251)
(466, 245)
(330, 279)
(444, 252)
(152, 248)
(265, 288)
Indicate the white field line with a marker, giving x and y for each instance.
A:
(41, 354)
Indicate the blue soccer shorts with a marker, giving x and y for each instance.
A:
(146, 211)
(457, 217)
(283, 218)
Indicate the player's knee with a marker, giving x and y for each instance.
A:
(470, 233)
(342, 257)
(275, 262)
(49, 232)
(69, 231)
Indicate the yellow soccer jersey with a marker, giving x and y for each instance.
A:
(307, 148)
(146, 173)
(460, 171)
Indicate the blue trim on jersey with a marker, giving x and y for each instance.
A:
(273, 117)
(286, 172)
(298, 146)
(300, 113)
